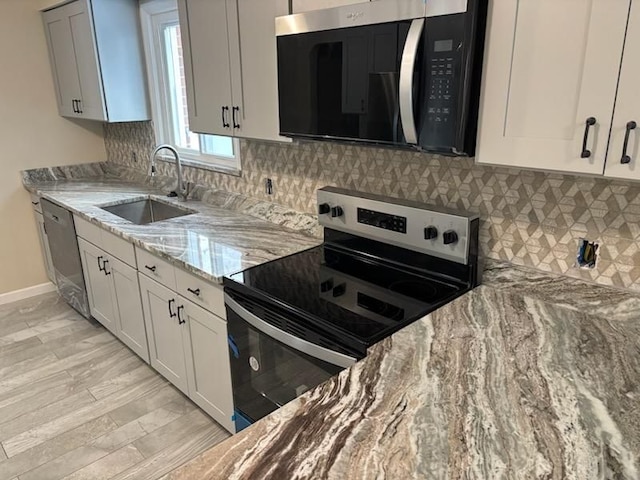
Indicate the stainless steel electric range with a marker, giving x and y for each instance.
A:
(295, 322)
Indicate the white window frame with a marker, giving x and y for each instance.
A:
(154, 14)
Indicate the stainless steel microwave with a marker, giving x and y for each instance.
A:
(402, 73)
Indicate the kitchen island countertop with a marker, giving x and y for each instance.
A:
(529, 376)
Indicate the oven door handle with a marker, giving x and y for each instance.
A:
(407, 68)
(311, 349)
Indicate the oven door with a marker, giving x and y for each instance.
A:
(269, 366)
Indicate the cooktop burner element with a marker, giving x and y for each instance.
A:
(383, 265)
(416, 288)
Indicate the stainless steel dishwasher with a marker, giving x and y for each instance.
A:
(65, 254)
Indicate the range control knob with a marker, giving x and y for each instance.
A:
(449, 237)
(324, 208)
(340, 290)
(337, 212)
(326, 285)
(430, 233)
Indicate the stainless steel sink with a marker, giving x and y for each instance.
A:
(143, 212)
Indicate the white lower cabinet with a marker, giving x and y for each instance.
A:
(208, 369)
(114, 296)
(98, 284)
(164, 331)
(188, 344)
(128, 307)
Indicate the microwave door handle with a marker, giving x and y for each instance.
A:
(311, 349)
(407, 67)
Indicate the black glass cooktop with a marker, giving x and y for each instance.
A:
(346, 292)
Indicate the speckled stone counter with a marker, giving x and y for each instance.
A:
(226, 233)
(530, 376)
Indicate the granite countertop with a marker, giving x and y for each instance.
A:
(530, 375)
(219, 239)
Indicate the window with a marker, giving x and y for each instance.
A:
(167, 85)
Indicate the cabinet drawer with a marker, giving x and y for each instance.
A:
(201, 292)
(119, 248)
(35, 202)
(153, 267)
(90, 232)
(107, 241)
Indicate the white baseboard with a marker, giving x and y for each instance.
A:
(26, 293)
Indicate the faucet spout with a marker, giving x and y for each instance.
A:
(180, 189)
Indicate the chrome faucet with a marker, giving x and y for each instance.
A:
(181, 189)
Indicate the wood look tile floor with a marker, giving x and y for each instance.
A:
(75, 403)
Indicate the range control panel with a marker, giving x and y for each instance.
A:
(416, 226)
(395, 223)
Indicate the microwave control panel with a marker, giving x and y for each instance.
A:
(442, 83)
(444, 51)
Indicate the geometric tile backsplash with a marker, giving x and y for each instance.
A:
(528, 218)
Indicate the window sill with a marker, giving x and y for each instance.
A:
(187, 162)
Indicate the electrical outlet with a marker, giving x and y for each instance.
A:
(587, 256)
(268, 186)
(134, 157)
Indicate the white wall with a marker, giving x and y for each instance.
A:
(31, 135)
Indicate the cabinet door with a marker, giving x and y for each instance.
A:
(91, 98)
(259, 117)
(98, 284)
(44, 246)
(542, 81)
(166, 346)
(63, 60)
(127, 306)
(627, 113)
(208, 370)
(205, 45)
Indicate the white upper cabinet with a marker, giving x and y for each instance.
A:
(205, 43)
(230, 66)
(259, 79)
(551, 71)
(624, 149)
(96, 59)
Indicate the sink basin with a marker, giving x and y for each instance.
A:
(143, 212)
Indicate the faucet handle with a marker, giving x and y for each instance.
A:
(187, 189)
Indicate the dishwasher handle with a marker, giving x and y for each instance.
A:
(299, 344)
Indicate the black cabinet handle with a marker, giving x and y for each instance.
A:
(171, 312)
(235, 123)
(591, 121)
(196, 292)
(35, 204)
(180, 320)
(626, 159)
(73, 105)
(152, 269)
(104, 264)
(80, 106)
(101, 267)
(225, 111)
